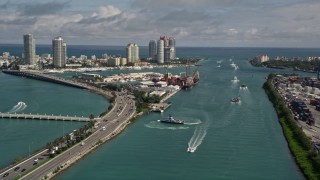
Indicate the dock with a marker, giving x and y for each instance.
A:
(159, 107)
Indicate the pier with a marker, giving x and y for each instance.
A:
(44, 117)
(159, 107)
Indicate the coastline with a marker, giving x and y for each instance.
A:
(298, 142)
(117, 131)
(93, 141)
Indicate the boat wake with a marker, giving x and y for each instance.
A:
(157, 125)
(18, 107)
(197, 138)
(220, 61)
(235, 80)
(193, 123)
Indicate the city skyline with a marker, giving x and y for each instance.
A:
(204, 23)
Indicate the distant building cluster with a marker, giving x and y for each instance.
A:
(162, 51)
(262, 58)
(59, 51)
(6, 58)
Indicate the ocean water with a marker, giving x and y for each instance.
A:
(231, 141)
(21, 95)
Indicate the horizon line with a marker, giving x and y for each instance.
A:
(276, 47)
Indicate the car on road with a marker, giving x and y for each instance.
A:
(23, 170)
(103, 128)
(5, 174)
(16, 168)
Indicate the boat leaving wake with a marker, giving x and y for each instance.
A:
(18, 107)
(197, 138)
(158, 125)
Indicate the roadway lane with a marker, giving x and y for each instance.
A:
(118, 117)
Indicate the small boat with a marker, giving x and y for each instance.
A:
(190, 149)
(219, 66)
(235, 79)
(171, 120)
(236, 99)
(243, 86)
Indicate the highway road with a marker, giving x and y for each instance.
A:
(120, 114)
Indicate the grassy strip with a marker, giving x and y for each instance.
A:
(299, 144)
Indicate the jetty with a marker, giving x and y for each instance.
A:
(54, 79)
(159, 107)
(44, 117)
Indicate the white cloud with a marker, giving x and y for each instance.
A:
(106, 11)
(211, 22)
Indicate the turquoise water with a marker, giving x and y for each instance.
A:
(21, 95)
(231, 141)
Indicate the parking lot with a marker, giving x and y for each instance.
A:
(294, 89)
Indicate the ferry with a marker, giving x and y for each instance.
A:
(171, 120)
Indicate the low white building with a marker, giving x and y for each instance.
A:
(158, 93)
(162, 84)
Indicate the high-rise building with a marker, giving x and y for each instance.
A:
(29, 49)
(160, 54)
(167, 54)
(153, 50)
(165, 40)
(172, 45)
(59, 52)
(132, 53)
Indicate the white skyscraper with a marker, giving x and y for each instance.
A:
(153, 50)
(172, 45)
(29, 49)
(59, 52)
(132, 52)
(160, 54)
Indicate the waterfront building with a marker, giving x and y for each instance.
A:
(123, 61)
(115, 61)
(29, 49)
(132, 53)
(5, 55)
(165, 40)
(59, 52)
(160, 54)
(172, 44)
(153, 50)
(263, 58)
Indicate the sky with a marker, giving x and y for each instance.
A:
(203, 23)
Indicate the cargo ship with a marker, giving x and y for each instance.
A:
(185, 80)
(190, 81)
